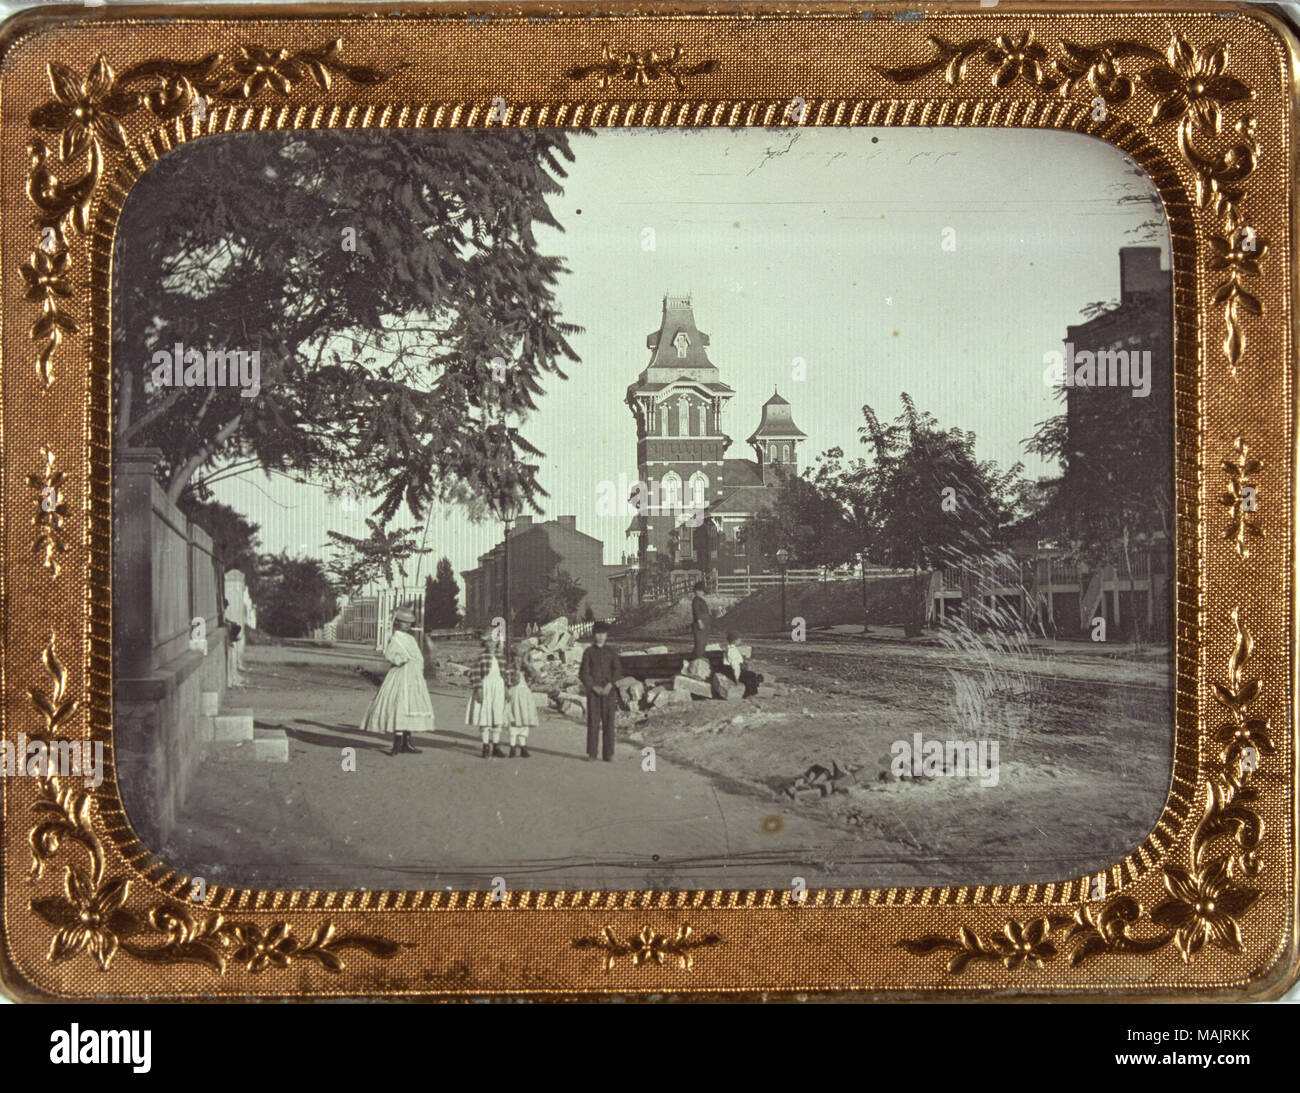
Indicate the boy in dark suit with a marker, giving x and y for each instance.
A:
(597, 673)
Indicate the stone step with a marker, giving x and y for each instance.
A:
(270, 745)
(265, 745)
(233, 725)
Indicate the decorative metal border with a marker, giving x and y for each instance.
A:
(95, 121)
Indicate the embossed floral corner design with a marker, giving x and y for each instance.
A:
(1204, 902)
(84, 117)
(1188, 86)
(91, 915)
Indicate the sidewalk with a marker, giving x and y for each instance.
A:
(448, 817)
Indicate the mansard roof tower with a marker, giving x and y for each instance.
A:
(678, 402)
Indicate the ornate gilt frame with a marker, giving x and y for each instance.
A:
(1202, 96)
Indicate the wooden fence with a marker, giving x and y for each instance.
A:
(742, 584)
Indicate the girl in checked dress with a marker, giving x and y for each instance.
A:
(487, 702)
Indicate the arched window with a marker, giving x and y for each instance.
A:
(674, 419)
(773, 455)
(699, 490)
(670, 491)
(785, 453)
(694, 418)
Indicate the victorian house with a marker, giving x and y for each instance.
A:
(691, 500)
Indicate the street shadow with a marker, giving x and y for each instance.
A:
(350, 730)
(373, 743)
(463, 740)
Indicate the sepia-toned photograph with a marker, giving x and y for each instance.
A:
(672, 509)
(589, 502)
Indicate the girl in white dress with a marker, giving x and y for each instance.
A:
(523, 707)
(487, 701)
(402, 705)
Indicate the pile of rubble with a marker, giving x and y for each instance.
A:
(696, 679)
(820, 781)
(557, 677)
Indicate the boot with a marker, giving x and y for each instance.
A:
(524, 752)
(396, 749)
(408, 747)
(487, 751)
(514, 751)
(497, 753)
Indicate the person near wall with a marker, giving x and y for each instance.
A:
(700, 619)
(402, 705)
(597, 673)
(487, 710)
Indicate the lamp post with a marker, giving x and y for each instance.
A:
(782, 560)
(507, 515)
(866, 629)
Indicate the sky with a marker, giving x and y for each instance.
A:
(940, 262)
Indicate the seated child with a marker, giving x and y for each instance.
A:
(734, 664)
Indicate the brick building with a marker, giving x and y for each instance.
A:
(1121, 438)
(538, 549)
(695, 500)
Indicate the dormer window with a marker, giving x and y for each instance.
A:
(682, 343)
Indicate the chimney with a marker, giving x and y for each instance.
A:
(570, 522)
(1140, 272)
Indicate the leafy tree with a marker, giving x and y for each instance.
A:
(381, 556)
(932, 501)
(1113, 451)
(296, 596)
(379, 276)
(804, 518)
(929, 500)
(440, 594)
(557, 594)
(234, 538)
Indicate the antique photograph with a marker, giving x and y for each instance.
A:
(672, 509)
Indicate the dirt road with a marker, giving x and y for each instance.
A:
(1083, 766)
(449, 818)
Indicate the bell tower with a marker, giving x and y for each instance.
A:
(677, 401)
(776, 441)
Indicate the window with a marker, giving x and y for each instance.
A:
(670, 491)
(699, 490)
(694, 418)
(674, 419)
